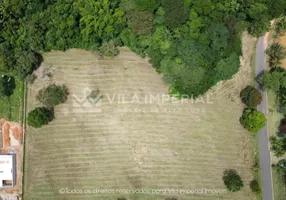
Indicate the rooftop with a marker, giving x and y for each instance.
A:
(7, 170)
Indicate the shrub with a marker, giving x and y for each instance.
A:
(255, 187)
(278, 146)
(7, 85)
(251, 96)
(149, 5)
(40, 116)
(232, 180)
(109, 49)
(252, 120)
(53, 95)
(276, 53)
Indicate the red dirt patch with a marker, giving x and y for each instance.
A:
(17, 132)
(5, 135)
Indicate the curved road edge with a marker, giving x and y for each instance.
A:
(264, 146)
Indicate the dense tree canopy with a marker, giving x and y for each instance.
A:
(276, 53)
(7, 85)
(198, 37)
(251, 96)
(278, 146)
(53, 95)
(40, 116)
(252, 120)
(232, 180)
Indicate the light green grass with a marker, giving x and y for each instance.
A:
(11, 108)
(279, 188)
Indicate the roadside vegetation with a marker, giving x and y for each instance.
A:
(274, 82)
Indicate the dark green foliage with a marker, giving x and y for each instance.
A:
(198, 37)
(251, 96)
(218, 34)
(100, 20)
(276, 7)
(252, 120)
(278, 146)
(259, 27)
(176, 13)
(149, 5)
(53, 95)
(27, 62)
(276, 53)
(171, 198)
(40, 116)
(7, 85)
(273, 80)
(281, 166)
(227, 67)
(255, 187)
(195, 54)
(232, 180)
(109, 49)
(141, 22)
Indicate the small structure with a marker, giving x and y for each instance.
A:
(7, 170)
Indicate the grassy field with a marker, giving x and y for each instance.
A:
(122, 142)
(11, 108)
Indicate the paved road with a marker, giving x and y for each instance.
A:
(265, 160)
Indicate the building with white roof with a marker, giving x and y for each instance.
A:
(7, 170)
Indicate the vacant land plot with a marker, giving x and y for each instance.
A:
(122, 142)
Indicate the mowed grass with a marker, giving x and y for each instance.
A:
(125, 146)
(11, 107)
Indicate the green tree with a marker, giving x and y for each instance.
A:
(276, 53)
(53, 95)
(278, 146)
(176, 13)
(232, 180)
(218, 35)
(276, 8)
(141, 22)
(149, 5)
(255, 187)
(40, 116)
(252, 120)
(251, 96)
(109, 49)
(273, 80)
(27, 62)
(100, 20)
(227, 67)
(281, 166)
(7, 85)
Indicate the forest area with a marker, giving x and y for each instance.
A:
(193, 43)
